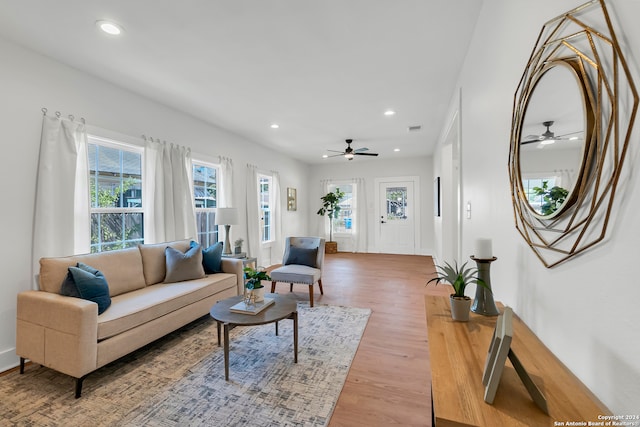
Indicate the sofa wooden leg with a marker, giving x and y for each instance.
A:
(79, 385)
(311, 295)
(22, 365)
(273, 287)
(320, 285)
(290, 287)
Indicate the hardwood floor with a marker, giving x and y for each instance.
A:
(389, 381)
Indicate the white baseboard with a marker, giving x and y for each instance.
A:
(8, 359)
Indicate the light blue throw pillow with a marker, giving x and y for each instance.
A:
(183, 266)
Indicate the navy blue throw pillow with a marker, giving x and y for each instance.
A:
(87, 283)
(211, 258)
(302, 256)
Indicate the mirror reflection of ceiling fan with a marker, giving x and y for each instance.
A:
(547, 137)
(349, 152)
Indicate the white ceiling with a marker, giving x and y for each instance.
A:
(324, 70)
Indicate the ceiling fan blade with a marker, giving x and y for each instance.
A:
(336, 151)
(366, 154)
(336, 155)
(360, 149)
(531, 141)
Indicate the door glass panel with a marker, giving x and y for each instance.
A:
(396, 203)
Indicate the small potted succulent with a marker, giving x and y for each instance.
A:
(458, 278)
(238, 246)
(253, 281)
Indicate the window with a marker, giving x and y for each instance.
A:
(265, 184)
(115, 184)
(345, 222)
(536, 200)
(205, 191)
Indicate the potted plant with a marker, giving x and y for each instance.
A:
(238, 246)
(458, 278)
(253, 281)
(331, 208)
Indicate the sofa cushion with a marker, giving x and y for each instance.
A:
(135, 308)
(296, 274)
(153, 259)
(122, 269)
(302, 256)
(87, 283)
(183, 266)
(211, 258)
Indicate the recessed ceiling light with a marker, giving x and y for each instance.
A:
(275, 126)
(389, 113)
(396, 149)
(109, 27)
(324, 156)
(574, 138)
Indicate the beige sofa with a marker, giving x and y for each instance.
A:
(67, 334)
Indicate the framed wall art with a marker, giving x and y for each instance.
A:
(292, 199)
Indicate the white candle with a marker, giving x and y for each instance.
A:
(483, 249)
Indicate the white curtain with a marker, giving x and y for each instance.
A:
(359, 235)
(323, 221)
(225, 196)
(62, 218)
(168, 193)
(253, 225)
(277, 250)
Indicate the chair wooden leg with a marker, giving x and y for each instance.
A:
(22, 365)
(273, 287)
(320, 285)
(311, 295)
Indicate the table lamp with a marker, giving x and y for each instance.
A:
(227, 217)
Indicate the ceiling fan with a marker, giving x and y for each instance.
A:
(349, 153)
(547, 137)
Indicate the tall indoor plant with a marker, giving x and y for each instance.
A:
(459, 277)
(331, 208)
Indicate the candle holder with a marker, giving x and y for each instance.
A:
(483, 302)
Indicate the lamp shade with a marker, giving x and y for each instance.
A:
(226, 216)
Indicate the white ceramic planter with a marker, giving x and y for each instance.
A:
(259, 294)
(460, 308)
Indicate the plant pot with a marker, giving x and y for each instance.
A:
(237, 249)
(460, 308)
(331, 247)
(259, 294)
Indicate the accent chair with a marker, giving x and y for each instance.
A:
(301, 264)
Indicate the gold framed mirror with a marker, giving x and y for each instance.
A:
(576, 84)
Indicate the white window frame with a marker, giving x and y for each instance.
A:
(93, 139)
(216, 167)
(270, 210)
(354, 206)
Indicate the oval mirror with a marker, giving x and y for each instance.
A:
(551, 153)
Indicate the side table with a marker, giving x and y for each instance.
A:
(246, 261)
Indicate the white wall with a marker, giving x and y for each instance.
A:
(584, 310)
(421, 167)
(28, 82)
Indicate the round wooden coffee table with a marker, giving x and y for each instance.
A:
(283, 308)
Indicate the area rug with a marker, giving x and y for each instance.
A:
(179, 380)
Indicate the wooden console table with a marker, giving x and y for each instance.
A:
(458, 351)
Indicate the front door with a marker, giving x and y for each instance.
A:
(396, 217)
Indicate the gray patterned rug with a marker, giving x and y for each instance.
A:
(179, 380)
